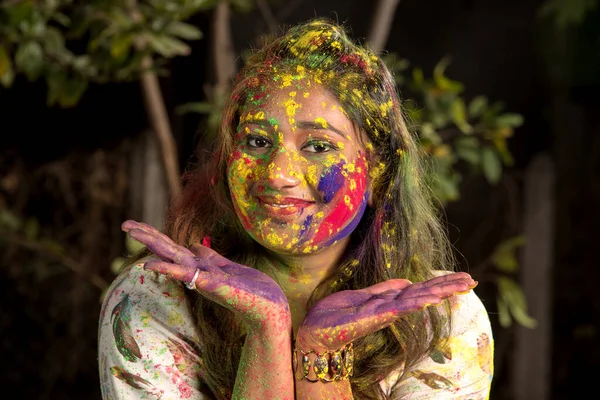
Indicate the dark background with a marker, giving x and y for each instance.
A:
(67, 160)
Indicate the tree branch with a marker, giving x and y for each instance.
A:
(67, 261)
(382, 24)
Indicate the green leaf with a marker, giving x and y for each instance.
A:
(7, 79)
(418, 78)
(477, 106)
(467, 148)
(514, 297)
(505, 257)
(442, 81)
(29, 59)
(72, 91)
(168, 46)
(509, 120)
(183, 30)
(492, 167)
(503, 312)
(10, 220)
(458, 111)
(54, 41)
(5, 62)
(120, 45)
(31, 228)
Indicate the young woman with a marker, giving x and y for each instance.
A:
(306, 259)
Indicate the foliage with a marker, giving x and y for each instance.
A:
(451, 130)
(567, 12)
(70, 44)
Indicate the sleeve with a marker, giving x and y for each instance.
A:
(147, 345)
(462, 366)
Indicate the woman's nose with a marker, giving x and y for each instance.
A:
(283, 171)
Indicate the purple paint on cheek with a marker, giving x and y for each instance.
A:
(305, 225)
(331, 182)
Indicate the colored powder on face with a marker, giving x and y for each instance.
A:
(350, 227)
(305, 225)
(331, 182)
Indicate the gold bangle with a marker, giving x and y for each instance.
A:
(337, 364)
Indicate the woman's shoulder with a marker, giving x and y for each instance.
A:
(146, 294)
(461, 364)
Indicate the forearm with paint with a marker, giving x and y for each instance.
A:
(265, 370)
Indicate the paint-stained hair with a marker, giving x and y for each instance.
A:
(399, 236)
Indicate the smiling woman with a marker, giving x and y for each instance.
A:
(306, 260)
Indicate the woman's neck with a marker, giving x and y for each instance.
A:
(299, 275)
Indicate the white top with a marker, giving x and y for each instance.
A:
(148, 347)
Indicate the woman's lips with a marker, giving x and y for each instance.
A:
(283, 206)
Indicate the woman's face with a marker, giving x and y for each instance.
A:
(298, 173)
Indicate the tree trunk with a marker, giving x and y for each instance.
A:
(533, 349)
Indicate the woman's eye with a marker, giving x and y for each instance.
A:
(319, 147)
(258, 141)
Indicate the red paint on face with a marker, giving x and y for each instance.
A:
(342, 212)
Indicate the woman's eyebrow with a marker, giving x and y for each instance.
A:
(319, 125)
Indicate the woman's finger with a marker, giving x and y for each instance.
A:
(176, 271)
(391, 284)
(408, 305)
(166, 250)
(131, 224)
(455, 276)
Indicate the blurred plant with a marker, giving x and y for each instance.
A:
(451, 130)
(70, 44)
(567, 13)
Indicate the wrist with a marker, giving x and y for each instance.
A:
(323, 365)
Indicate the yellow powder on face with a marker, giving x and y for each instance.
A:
(369, 146)
(348, 202)
(352, 184)
(306, 94)
(290, 110)
(350, 167)
(292, 94)
(274, 239)
(340, 145)
(336, 45)
(323, 104)
(321, 121)
(312, 178)
(259, 115)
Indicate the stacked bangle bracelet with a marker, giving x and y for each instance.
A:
(329, 366)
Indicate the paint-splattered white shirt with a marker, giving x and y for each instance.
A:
(148, 347)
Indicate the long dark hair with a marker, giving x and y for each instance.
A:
(399, 236)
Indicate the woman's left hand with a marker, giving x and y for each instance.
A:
(342, 317)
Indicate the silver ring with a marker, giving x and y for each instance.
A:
(192, 284)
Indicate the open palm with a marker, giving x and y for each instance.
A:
(342, 317)
(244, 290)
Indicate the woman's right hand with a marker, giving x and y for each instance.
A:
(251, 294)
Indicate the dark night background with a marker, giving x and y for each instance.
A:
(501, 49)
